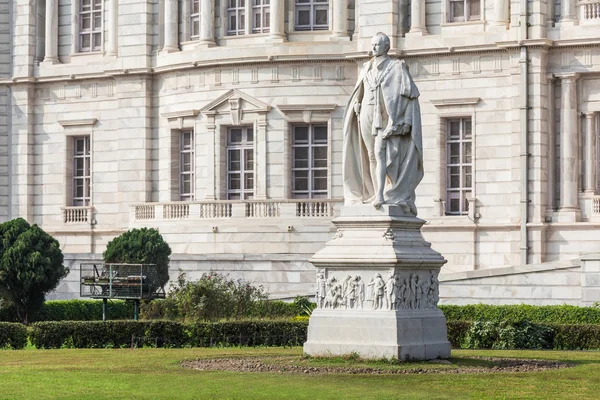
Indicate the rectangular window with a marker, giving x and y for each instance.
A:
(90, 25)
(309, 161)
(82, 174)
(236, 17)
(261, 16)
(459, 164)
(195, 20)
(312, 15)
(186, 166)
(464, 10)
(240, 163)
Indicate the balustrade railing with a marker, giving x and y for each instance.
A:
(590, 10)
(76, 215)
(596, 206)
(235, 209)
(176, 211)
(267, 209)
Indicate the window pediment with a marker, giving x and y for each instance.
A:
(237, 104)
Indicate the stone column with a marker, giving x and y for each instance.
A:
(113, 29)
(51, 52)
(402, 14)
(550, 203)
(340, 18)
(261, 157)
(171, 27)
(569, 143)
(207, 23)
(417, 14)
(277, 29)
(567, 11)
(75, 27)
(590, 152)
(501, 16)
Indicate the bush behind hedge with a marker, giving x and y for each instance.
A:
(12, 335)
(564, 314)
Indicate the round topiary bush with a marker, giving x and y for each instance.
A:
(140, 246)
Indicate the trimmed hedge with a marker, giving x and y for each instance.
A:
(115, 334)
(12, 335)
(570, 315)
(74, 310)
(576, 337)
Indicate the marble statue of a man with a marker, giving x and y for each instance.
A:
(383, 151)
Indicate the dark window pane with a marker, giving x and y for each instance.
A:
(235, 136)
(234, 182)
(320, 157)
(320, 132)
(303, 17)
(321, 17)
(300, 155)
(300, 134)
(250, 135)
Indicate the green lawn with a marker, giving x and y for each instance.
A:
(156, 374)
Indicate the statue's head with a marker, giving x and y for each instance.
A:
(380, 44)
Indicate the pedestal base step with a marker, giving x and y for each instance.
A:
(412, 335)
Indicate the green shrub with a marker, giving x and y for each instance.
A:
(514, 313)
(457, 332)
(140, 246)
(12, 336)
(576, 337)
(112, 334)
(73, 310)
(31, 265)
(115, 334)
(248, 333)
(508, 335)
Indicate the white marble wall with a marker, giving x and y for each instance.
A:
(462, 70)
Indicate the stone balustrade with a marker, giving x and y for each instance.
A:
(596, 207)
(589, 10)
(315, 208)
(77, 215)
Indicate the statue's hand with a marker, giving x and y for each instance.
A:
(357, 108)
(389, 131)
(405, 129)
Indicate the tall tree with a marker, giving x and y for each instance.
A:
(31, 265)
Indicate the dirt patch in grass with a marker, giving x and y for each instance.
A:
(288, 365)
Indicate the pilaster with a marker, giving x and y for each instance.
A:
(113, 28)
(589, 181)
(417, 13)
(171, 27)
(22, 162)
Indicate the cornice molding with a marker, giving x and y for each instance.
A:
(78, 122)
(465, 101)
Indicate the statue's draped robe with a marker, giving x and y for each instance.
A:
(404, 161)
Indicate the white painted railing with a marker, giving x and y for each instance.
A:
(589, 10)
(76, 215)
(235, 209)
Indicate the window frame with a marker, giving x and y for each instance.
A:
(467, 17)
(93, 30)
(245, 144)
(195, 19)
(464, 192)
(265, 9)
(189, 196)
(311, 144)
(240, 15)
(81, 201)
(312, 6)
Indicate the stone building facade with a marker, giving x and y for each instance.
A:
(220, 123)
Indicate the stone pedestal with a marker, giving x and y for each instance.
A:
(377, 289)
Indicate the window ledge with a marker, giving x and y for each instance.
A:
(448, 24)
(88, 53)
